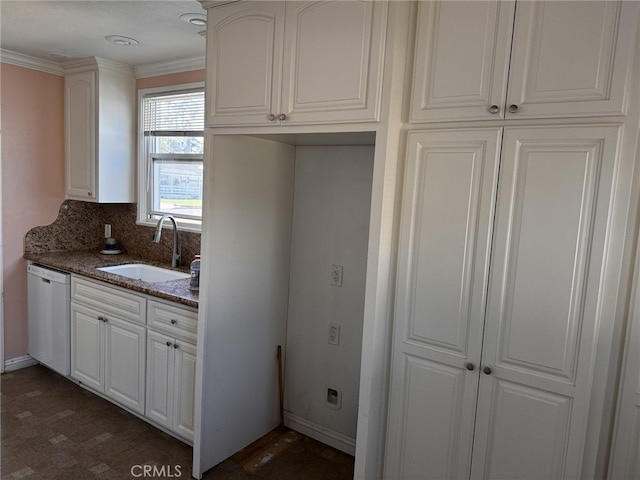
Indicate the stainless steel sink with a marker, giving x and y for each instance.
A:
(146, 273)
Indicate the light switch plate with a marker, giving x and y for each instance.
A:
(336, 275)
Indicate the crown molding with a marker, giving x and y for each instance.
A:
(164, 68)
(91, 63)
(140, 71)
(26, 61)
(207, 4)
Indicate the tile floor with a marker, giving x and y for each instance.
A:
(53, 429)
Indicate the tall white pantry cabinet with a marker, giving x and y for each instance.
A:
(512, 240)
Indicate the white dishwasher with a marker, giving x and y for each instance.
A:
(49, 318)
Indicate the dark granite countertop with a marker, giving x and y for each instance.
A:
(85, 263)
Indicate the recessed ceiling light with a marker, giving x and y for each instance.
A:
(122, 41)
(197, 19)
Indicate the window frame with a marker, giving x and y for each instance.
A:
(146, 215)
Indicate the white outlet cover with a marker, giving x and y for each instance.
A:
(336, 275)
(333, 397)
(334, 334)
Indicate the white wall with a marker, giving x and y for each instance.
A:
(243, 295)
(332, 202)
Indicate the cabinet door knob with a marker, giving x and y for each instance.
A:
(470, 366)
(271, 117)
(282, 117)
(513, 108)
(168, 344)
(175, 345)
(487, 370)
(173, 321)
(101, 318)
(105, 319)
(494, 109)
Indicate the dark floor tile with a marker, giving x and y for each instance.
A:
(52, 428)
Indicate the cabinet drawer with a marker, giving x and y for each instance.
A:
(181, 322)
(108, 300)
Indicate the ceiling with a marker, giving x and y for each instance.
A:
(58, 31)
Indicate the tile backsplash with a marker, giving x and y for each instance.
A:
(80, 226)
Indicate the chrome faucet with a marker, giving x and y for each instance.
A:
(175, 258)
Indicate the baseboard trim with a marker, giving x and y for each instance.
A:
(19, 362)
(322, 434)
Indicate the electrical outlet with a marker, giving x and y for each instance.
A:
(334, 334)
(333, 397)
(107, 230)
(336, 275)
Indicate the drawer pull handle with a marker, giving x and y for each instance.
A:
(174, 321)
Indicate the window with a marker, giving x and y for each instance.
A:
(172, 146)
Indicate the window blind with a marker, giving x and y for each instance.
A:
(174, 114)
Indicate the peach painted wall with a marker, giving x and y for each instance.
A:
(170, 79)
(32, 109)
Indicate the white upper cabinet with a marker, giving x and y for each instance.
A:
(99, 131)
(294, 62)
(462, 59)
(486, 60)
(244, 62)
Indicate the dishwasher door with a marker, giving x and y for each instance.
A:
(49, 317)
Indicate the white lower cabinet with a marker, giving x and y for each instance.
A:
(145, 362)
(171, 366)
(497, 303)
(108, 355)
(107, 352)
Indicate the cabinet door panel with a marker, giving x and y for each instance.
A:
(545, 287)
(448, 206)
(184, 388)
(244, 62)
(436, 435)
(333, 58)
(625, 450)
(86, 347)
(160, 372)
(80, 127)
(461, 60)
(626, 459)
(527, 434)
(571, 58)
(125, 363)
